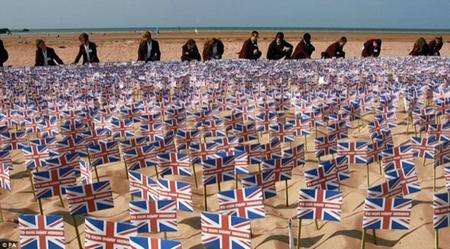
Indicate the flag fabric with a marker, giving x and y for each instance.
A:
(388, 188)
(406, 174)
(133, 142)
(297, 153)
(323, 177)
(217, 170)
(442, 154)
(41, 232)
(62, 160)
(387, 213)
(246, 202)
(52, 182)
(284, 132)
(318, 204)
(171, 163)
(325, 145)
(374, 150)
(264, 180)
(153, 131)
(142, 186)
(153, 243)
(424, 147)
(104, 152)
(154, 216)
(70, 144)
(397, 153)
(88, 198)
(5, 180)
(355, 151)
(85, 172)
(202, 151)
(35, 155)
(140, 157)
(94, 136)
(179, 191)
(122, 128)
(12, 140)
(225, 231)
(102, 234)
(281, 167)
(447, 176)
(441, 210)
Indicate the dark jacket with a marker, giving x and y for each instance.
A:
(248, 50)
(420, 49)
(303, 50)
(3, 54)
(335, 50)
(208, 49)
(435, 47)
(369, 50)
(190, 54)
(276, 52)
(51, 56)
(92, 54)
(143, 50)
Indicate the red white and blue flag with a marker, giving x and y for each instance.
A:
(217, 170)
(264, 180)
(140, 157)
(179, 191)
(5, 180)
(154, 216)
(424, 147)
(441, 210)
(122, 128)
(104, 152)
(142, 186)
(35, 155)
(153, 243)
(281, 167)
(246, 202)
(41, 232)
(318, 204)
(52, 182)
(171, 163)
(225, 231)
(88, 198)
(62, 160)
(325, 145)
(102, 234)
(355, 151)
(406, 175)
(387, 213)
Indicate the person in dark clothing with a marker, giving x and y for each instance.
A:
(372, 48)
(213, 49)
(3, 54)
(148, 48)
(46, 56)
(335, 50)
(88, 50)
(420, 48)
(190, 51)
(250, 48)
(279, 48)
(435, 46)
(304, 48)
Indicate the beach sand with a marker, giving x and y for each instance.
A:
(118, 47)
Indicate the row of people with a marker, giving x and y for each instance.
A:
(278, 49)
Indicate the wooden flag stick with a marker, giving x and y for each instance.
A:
(374, 236)
(368, 180)
(299, 233)
(436, 238)
(31, 180)
(306, 143)
(61, 200)
(1, 215)
(95, 167)
(363, 239)
(41, 211)
(205, 198)
(195, 176)
(218, 186)
(287, 192)
(434, 178)
(126, 169)
(77, 232)
(165, 235)
(317, 225)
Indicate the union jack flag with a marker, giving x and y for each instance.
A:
(396, 154)
(270, 150)
(142, 186)
(122, 128)
(72, 145)
(246, 132)
(281, 167)
(94, 136)
(213, 128)
(387, 213)
(88, 198)
(152, 130)
(50, 142)
(442, 154)
(318, 204)
(49, 126)
(140, 157)
(355, 151)
(226, 144)
(86, 172)
(265, 180)
(302, 125)
(52, 182)
(5, 156)
(441, 210)
(424, 147)
(153, 243)
(338, 129)
(389, 188)
(285, 132)
(217, 170)
(246, 202)
(447, 176)
(41, 232)
(102, 121)
(179, 191)
(165, 145)
(72, 128)
(202, 151)
(185, 138)
(264, 120)
(35, 155)
(174, 164)
(104, 152)
(325, 145)
(225, 231)
(374, 150)
(324, 177)
(297, 153)
(63, 160)
(133, 142)
(407, 175)
(5, 180)
(440, 131)
(102, 234)
(154, 216)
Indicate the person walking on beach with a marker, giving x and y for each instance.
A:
(213, 49)
(88, 50)
(3, 54)
(420, 48)
(148, 48)
(189, 51)
(336, 49)
(435, 46)
(372, 48)
(279, 48)
(250, 48)
(304, 48)
(46, 56)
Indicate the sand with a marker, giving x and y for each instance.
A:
(117, 47)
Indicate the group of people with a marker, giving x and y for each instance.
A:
(213, 49)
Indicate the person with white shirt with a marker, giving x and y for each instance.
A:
(46, 56)
(88, 50)
(148, 48)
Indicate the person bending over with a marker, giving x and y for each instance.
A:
(46, 56)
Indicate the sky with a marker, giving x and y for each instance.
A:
(394, 14)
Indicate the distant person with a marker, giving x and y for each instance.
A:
(279, 48)
(3, 54)
(250, 48)
(148, 48)
(420, 48)
(304, 48)
(372, 48)
(213, 49)
(435, 46)
(190, 51)
(46, 56)
(88, 50)
(335, 50)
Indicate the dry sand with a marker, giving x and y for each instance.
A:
(115, 47)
